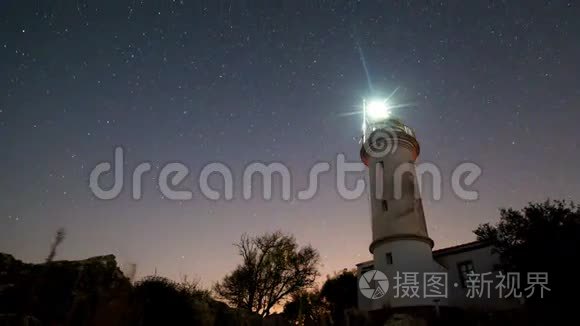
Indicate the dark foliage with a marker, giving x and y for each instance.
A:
(542, 237)
(306, 308)
(160, 301)
(340, 293)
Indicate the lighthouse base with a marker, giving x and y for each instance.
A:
(411, 272)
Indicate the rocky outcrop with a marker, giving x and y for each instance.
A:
(62, 292)
(95, 292)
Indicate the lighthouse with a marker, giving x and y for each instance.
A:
(400, 244)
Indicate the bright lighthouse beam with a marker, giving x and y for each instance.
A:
(377, 110)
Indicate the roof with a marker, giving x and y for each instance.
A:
(366, 262)
(449, 250)
(460, 248)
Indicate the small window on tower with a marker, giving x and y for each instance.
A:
(385, 205)
(411, 184)
(389, 258)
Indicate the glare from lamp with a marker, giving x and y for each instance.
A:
(378, 110)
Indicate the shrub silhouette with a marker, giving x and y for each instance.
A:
(160, 301)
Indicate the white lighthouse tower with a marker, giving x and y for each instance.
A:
(400, 246)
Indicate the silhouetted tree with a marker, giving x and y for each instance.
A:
(305, 308)
(160, 301)
(542, 237)
(340, 293)
(273, 267)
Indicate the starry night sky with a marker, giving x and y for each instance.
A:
(495, 83)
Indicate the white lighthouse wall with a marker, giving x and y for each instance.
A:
(409, 256)
(398, 225)
(395, 214)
